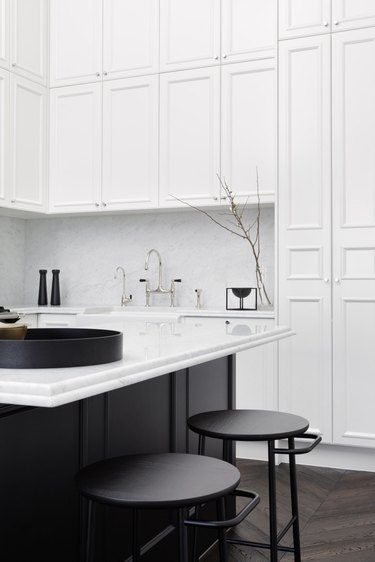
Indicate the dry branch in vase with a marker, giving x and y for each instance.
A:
(250, 233)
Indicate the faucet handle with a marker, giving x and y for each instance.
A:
(143, 280)
(177, 280)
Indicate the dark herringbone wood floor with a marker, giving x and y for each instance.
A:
(337, 514)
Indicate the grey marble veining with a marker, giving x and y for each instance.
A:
(12, 260)
(87, 250)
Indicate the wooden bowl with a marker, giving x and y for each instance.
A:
(12, 331)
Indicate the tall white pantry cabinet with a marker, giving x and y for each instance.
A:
(327, 227)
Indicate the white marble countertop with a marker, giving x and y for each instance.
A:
(151, 348)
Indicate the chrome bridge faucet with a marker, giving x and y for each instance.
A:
(159, 289)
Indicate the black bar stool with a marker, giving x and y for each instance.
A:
(158, 481)
(261, 425)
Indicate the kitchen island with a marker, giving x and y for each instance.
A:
(54, 421)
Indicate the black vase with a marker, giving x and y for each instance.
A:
(42, 297)
(55, 293)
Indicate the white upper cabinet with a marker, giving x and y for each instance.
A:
(353, 175)
(352, 14)
(305, 229)
(130, 143)
(4, 33)
(248, 30)
(298, 18)
(189, 34)
(75, 148)
(75, 41)
(248, 128)
(130, 38)
(190, 137)
(28, 144)
(4, 137)
(29, 39)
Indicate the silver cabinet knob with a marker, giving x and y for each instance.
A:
(97, 204)
(337, 280)
(216, 57)
(104, 204)
(336, 22)
(105, 73)
(225, 56)
(12, 200)
(98, 74)
(224, 198)
(326, 280)
(215, 198)
(325, 23)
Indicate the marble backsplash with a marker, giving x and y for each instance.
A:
(12, 260)
(88, 249)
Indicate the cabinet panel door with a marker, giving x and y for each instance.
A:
(29, 39)
(305, 226)
(4, 34)
(299, 18)
(130, 142)
(190, 137)
(75, 148)
(248, 30)
(189, 33)
(130, 38)
(354, 235)
(4, 137)
(28, 144)
(249, 128)
(352, 14)
(76, 42)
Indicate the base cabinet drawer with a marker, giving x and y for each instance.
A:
(56, 320)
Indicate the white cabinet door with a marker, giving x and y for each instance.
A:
(190, 137)
(29, 39)
(4, 34)
(249, 128)
(305, 226)
(354, 236)
(56, 320)
(249, 30)
(28, 135)
(75, 148)
(298, 18)
(189, 34)
(75, 42)
(4, 137)
(352, 14)
(130, 38)
(130, 142)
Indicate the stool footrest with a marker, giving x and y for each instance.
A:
(284, 531)
(243, 542)
(301, 450)
(227, 523)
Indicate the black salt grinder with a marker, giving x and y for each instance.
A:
(42, 297)
(55, 293)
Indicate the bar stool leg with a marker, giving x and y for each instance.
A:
(182, 536)
(90, 529)
(201, 451)
(272, 500)
(294, 501)
(201, 445)
(220, 506)
(136, 551)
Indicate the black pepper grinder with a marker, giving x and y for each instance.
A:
(42, 297)
(55, 293)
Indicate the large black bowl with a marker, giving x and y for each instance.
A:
(45, 348)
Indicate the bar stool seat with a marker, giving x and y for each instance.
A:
(261, 425)
(157, 481)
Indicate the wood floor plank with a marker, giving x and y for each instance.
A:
(337, 514)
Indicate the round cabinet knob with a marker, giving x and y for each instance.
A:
(216, 57)
(225, 56)
(215, 198)
(224, 198)
(97, 204)
(13, 201)
(104, 204)
(337, 280)
(326, 280)
(325, 23)
(105, 73)
(98, 74)
(336, 22)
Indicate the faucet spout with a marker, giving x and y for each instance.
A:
(153, 251)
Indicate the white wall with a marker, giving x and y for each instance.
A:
(87, 250)
(12, 260)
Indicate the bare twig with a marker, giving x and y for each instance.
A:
(245, 233)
